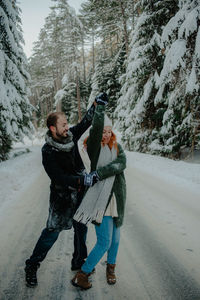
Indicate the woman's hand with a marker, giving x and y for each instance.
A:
(89, 179)
(102, 99)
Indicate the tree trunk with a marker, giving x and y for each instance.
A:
(83, 55)
(125, 26)
(93, 54)
(111, 47)
(78, 96)
(196, 129)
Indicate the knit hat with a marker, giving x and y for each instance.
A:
(107, 121)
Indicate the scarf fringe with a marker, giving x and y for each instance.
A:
(84, 218)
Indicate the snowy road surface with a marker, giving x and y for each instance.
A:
(159, 256)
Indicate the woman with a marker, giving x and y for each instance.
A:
(104, 202)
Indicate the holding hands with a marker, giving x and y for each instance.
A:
(91, 178)
(102, 99)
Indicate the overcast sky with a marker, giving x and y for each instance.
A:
(33, 17)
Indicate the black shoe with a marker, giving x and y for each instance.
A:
(31, 275)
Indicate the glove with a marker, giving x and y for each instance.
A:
(91, 178)
(95, 177)
(102, 99)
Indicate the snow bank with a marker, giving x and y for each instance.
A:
(17, 174)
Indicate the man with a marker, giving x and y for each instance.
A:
(62, 162)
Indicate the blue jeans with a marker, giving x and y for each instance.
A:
(108, 237)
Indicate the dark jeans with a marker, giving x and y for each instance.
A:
(80, 249)
(48, 238)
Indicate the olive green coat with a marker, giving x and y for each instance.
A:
(116, 167)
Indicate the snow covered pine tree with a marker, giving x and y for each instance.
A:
(15, 109)
(160, 93)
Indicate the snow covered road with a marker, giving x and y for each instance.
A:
(160, 246)
(161, 235)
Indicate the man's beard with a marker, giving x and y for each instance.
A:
(60, 137)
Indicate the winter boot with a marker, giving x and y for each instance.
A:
(81, 280)
(31, 275)
(110, 274)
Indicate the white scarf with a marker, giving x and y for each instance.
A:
(93, 205)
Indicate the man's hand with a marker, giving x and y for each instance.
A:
(102, 99)
(91, 178)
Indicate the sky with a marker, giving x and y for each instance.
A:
(33, 18)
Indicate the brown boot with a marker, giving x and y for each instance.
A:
(81, 280)
(110, 274)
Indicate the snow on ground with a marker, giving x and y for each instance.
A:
(176, 172)
(159, 250)
(18, 172)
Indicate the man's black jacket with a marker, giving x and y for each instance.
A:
(64, 170)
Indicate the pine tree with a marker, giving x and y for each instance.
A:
(108, 20)
(15, 109)
(108, 70)
(179, 87)
(66, 99)
(90, 25)
(58, 52)
(138, 117)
